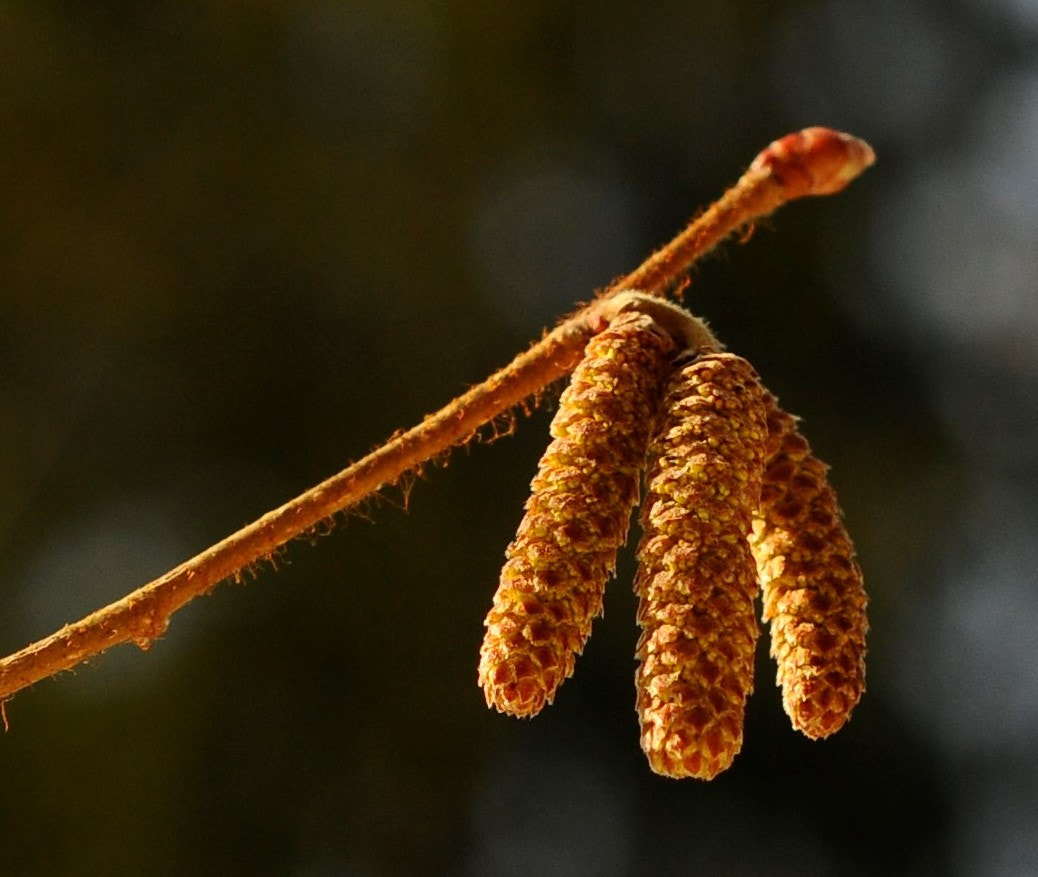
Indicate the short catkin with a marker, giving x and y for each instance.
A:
(813, 591)
(696, 579)
(577, 517)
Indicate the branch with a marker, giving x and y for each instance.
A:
(816, 161)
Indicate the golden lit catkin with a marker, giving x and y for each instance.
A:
(813, 591)
(576, 518)
(696, 577)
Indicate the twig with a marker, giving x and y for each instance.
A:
(812, 162)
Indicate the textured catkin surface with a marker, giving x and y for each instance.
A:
(576, 518)
(697, 580)
(813, 591)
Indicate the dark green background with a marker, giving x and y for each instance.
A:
(242, 243)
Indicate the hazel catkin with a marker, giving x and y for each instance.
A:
(813, 590)
(696, 579)
(576, 518)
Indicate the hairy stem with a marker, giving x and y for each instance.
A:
(816, 161)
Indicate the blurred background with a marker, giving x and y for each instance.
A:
(241, 244)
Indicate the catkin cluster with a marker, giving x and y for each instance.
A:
(735, 503)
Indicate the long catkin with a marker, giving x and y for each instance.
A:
(577, 516)
(813, 590)
(696, 579)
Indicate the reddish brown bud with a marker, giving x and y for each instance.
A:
(815, 161)
(813, 591)
(696, 578)
(576, 518)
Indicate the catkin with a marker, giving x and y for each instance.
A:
(577, 516)
(696, 578)
(813, 592)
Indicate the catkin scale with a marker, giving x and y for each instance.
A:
(696, 578)
(576, 518)
(813, 591)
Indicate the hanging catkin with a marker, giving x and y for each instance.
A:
(813, 592)
(576, 518)
(696, 578)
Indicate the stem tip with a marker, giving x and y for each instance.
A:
(815, 161)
